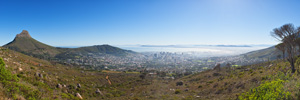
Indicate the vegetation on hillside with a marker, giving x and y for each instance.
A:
(25, 77)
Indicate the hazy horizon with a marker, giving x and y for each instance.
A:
(196, 50)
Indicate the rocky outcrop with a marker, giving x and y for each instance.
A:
(217, 67)
(24, 33)
(99, 92)
(59, 86)
(78, 96)
(78, 85)
(39, 75)
(179, 83)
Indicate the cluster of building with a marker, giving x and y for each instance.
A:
(179, 63)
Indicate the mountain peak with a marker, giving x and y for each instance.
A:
(24, 33)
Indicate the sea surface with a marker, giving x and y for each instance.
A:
(203, 51)
(197, 50)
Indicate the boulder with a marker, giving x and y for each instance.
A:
(217, 67)
(40, 75)
(20, 69)
(186, 90)
(78, 96)
(179, 83)
(99, 92)
(78, 85)
(216, 74)
(59, 86)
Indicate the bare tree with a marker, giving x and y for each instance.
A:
(288, 35)
(281, 47)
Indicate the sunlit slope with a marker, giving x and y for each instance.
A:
(270, 53)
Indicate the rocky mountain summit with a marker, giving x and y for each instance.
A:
(24, 33)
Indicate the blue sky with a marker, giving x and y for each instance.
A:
(155, 22)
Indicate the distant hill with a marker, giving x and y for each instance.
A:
(97, 49)
(24, 43)
(106, 49)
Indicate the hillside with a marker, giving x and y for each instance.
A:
(41, 79)
(270, 53)
(24, 77)
(269, 80)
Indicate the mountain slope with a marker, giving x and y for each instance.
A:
(268, 53)
(25, 44)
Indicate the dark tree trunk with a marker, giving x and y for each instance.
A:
(293, 68)
(292, 63)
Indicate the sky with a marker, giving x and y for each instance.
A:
(146, 22)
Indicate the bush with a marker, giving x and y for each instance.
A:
(268, 91)
(109, 95)
(69, 96)
(11, 86)
(241, 74)
(209, 82)
(177, 91)
(200, 86)
(6, 75)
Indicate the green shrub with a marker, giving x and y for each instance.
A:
(68, 96)
(109, 95)
(64, 95)
(117, 93)
(200, 86)
(12, 87)
(5, 75)
(209, 82)
(241, 74)
(177, 91)
(251, 71)
(267, 91)
(261, 71)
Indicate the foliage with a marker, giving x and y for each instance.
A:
(68, 96)
(12, 87)
(279, 75)
(6, 75)
(268, 91)
(177, 91)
